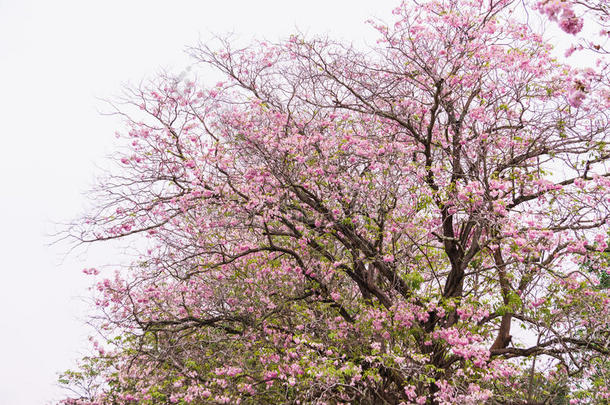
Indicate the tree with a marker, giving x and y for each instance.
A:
(330, 225)
(570, 16)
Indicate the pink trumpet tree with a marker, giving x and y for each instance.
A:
(423, 222)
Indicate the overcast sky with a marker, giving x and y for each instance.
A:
(57, 58)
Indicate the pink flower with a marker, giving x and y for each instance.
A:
(571, 25)
(575, 98)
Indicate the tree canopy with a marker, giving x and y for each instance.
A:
(424, 221)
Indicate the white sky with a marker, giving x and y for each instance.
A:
(56, 59)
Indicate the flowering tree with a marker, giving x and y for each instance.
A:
(570, 16)
(423, 222)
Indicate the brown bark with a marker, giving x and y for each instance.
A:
(504, 337)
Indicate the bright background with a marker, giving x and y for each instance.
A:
(57, 59)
